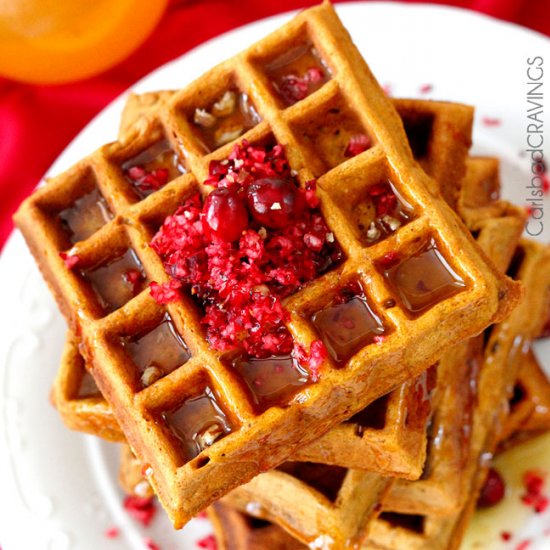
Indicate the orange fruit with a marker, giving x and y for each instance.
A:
(52, 41)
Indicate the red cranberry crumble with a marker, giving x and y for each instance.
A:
(151, 544)
(275, 202)
(225, 214)
(141, 509)
(112, 533)
(357, 144)
(208, 543)
(534, 482)
(250, 257)
(71, 260)
(148, 181)
(493, 491)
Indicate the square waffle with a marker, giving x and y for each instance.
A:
(337, 504)
(388, 436)
(507, 346)
(116, 241)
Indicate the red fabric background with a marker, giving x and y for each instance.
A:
(37, 122)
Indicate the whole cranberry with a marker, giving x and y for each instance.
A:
(225, 214)
(274, 202)
(493, 491)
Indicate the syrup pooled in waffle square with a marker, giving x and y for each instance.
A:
(199, 425)
(507, 345)
(388, 436)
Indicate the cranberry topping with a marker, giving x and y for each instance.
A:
(275, 202)
(297, 73)
(493, 491)
(148, 181)
(240, 273)
(225, 214)
(152, 169)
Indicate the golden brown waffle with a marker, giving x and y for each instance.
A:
(475, 294)
(78, 399)
(336, 504)
(506, 346)
(323, 506)
(379, 440)
(529, 405)
(237, 531)
(388, 436)
(131, 476)
(442, 489)
(439, 134)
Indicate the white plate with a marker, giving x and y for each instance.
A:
(58, 489)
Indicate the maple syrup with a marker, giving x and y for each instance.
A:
(424, 279)
(153, 168)
(88, 214)
(117, 281)
(348, 324)
(381, 213)
(297, 73)
(272, 381)
(198, 423)
(225, 120)
(158, 352)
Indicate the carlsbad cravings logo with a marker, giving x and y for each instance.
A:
(535, 143)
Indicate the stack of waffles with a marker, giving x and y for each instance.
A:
(296, 303)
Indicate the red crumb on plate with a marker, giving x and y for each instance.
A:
(491, 121)
(426, 88)
(112, 532)
(151, 544)
(208, 543)
(141, 509)
(534, 482)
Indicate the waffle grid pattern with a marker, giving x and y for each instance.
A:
(185, 488)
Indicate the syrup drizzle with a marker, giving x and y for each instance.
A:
(198, 423)
(225, 120)
(297, 73)
(117, 281)
(153, 168)
(424, 279)
(381, 213)
(272, 381)
(88, 214)
(158, 352)
(348, 324)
